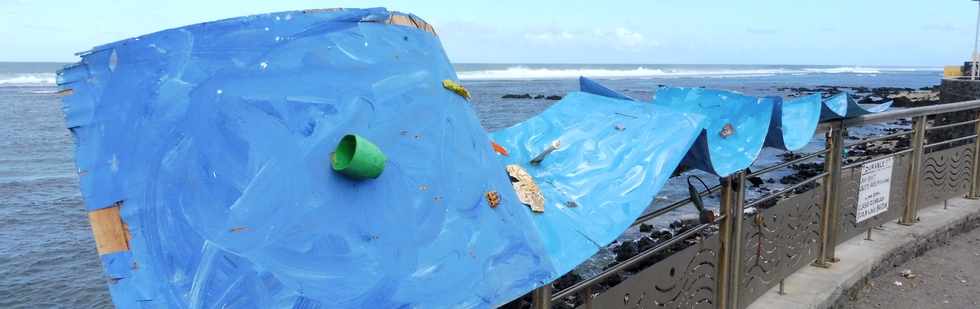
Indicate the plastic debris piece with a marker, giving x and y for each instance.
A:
(457, 88)
(358, 158)
(554, 145)
(897, 283)
(239, 229)
(499, 149)
(493, 198)
(619, 127)
(528, 192)
(727, 131)
(907, 274)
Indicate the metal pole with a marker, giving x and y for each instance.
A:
(832, 165)
(974, 190)
(837, 148)
(586, 296)
(736, 238)
(976, 39)
(725, 233)
(541, 297)
(912, 191)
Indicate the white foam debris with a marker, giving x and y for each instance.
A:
(113, 61)
(114, 163)
(263, 65)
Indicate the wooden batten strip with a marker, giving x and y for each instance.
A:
(111, 234)
(408, 21)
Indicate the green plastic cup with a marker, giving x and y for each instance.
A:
(357, 158)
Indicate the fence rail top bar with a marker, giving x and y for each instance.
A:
(904, 113)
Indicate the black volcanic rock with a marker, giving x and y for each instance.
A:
(516, 96)
(902, 102)
(626, 250)
(645, 228)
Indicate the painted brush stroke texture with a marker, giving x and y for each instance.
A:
(216, 138)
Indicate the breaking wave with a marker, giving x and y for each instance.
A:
(27, 79)
(523, 72)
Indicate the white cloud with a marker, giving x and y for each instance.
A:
(621, 38)
(629, 38)
(549, 36)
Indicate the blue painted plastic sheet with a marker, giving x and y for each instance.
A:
(216, 139)
(793, 122)
(614, 157)
(747, 118)
(590, 86)
(843, 105)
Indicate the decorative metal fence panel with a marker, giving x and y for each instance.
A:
(778, 241)
(945, 174)
(752, 253)
(686, 279)
(851, 183)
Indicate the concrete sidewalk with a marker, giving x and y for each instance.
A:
(944, 277)
(842, 285)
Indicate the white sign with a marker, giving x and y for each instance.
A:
(876, 184)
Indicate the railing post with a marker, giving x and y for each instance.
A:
(732, 203)
(725, 232)
(909, 216)
(736, 253)
(586, 296)
(541, 297)
(975, 175)
(831, 201)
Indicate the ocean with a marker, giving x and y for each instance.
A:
(48, 257)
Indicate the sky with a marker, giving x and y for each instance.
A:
(828, 32)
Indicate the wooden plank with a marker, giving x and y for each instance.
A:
(111, 234)
(408, 21)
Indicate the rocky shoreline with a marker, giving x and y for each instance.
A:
(902, 97)
(528, 96)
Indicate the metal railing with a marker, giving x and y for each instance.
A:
(727, 254)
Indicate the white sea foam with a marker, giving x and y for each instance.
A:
(27, 79)
(522, 72)
(838, 70)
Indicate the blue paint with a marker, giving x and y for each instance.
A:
(614, 157)
(216, 139)
(117, 265)
(593, 87)
(748, 116)
(843, 105)
(793, 122)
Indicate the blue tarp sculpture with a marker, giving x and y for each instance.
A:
(843, 105)
(205, 158)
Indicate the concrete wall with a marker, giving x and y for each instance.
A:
(950, 91)
(956, 90)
